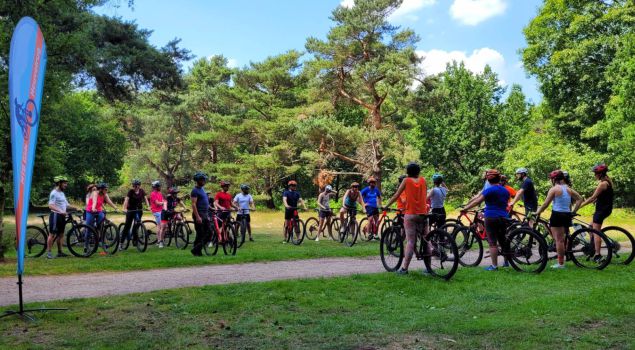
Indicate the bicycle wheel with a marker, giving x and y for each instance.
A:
(241, 230)
(351, 233)
(581, 249)
(622, 243)
(443, 257)
(231, 245)
(211, 248)
(142, 236)
(109, 238)
(384, 226)
(180, 235)
(190, 228)
(335, 229)
(527, 251)
(469, 245)
(151, 231)
(391, 248)
(364, 227)
(81, 240)
(297, 236)
(312, 227)
(543, 229)
(124, 241)
(35, 242)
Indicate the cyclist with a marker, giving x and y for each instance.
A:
(349, 201)
(57, 219)
(133, 206)
(291, 198)
(325, 212)
(496, 198)
(223, 201)
(200, 213)
(95, 207)
(372, 198)
(603, 198)
(415, 205)
(527, 192)
(171, 202)
(511, 190)
(245, 202)
(156, 207)
(436, 196)
(89, 193)
(562, 196)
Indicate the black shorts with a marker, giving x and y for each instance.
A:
(166, 215)
(600, 216)
(223, 215)
(57, 223)
(439, 219)
(371, 211)
(560, 219)
(247, 217)
(289, 213)
(324, 214)
(495, 228)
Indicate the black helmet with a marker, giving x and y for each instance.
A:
(200, 176)
(136, 182)
(156, 184)
(244, 187)
(402, 177)
(413, 169)
(102, 185)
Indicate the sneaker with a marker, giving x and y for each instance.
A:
(402, 272)
(210, 244)
(491, 268)
(317, 239)
(506, 264)
(121, 248)
(425, 272)
(49, 255)
(598, 259)
(251, 239)
(557, 266)
(283, 242)
(161, 244)
(196, 253)
(61, 255)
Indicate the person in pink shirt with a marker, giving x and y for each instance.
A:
(156, 206)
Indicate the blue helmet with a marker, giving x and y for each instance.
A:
(200, 176)
(437, 178)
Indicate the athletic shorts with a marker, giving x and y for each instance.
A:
(370, 211)
(600, 216)
(57, 223)
(560, 219)
(288, 213)
(223, 215)
(439, 219)
(324, 214)
(496, 229)
(247, 217)
(157, 217)
(166, 215)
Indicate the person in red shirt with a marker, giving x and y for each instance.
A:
(223, 201)
(511, 190)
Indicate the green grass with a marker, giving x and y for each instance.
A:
(573, 308)
(268, 246)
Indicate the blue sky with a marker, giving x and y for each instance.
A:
(478, 32)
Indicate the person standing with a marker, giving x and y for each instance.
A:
(57, 219)
(245, 204)
(414, 186)
(437, 199)
(561, 195)
(291, 199)
(200, 213)
(527, 192)
(133, 207)
(156, 207)
(372, 200)
(223, 202)
(325, 212)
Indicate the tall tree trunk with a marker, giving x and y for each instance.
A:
(270, 204)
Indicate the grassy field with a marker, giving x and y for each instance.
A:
(573, 308)
(268, 247)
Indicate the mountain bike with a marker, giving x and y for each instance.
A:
(241, 226)
(223, 234)
(436, 248)
(178, 230)
(106, 236)
(312, 227)
(138, 233)
(369, 227)
(36, 236)
(349, 229)
(294, 229)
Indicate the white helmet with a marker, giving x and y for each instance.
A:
(522, 171)
(328, 188)
(156, 184)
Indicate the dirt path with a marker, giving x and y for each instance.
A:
(46, 288)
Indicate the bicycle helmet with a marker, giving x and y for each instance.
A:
(173, 190)
(136, 182)
(371, 179)
(503, 178)
(600, 168)
(328, 188)
(60, 178)
(199, 176)
(244, 187)
(492, 174)
(437, 178)
(413, 169)
(102, 185)
(556, 175)
(292, 183)
(522, 171)
(156, 184)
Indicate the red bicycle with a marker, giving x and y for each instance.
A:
(223, 234)
(369, 226)
(294, 229)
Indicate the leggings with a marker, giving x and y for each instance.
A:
(130, 217)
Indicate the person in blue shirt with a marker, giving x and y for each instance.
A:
(372, 200)
(495, 198)
(200, 213)
(291, 199)
(436, 196)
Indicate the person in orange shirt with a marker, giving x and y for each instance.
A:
(401, 201)
(415, 189)
(511, 190)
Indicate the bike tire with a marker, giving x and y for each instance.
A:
(211, 247)
(110, 238)
(35, 242)
(312, 228)
(468, 243)
(81, 241)
(581, 250)
(151, 231)
(620, 240)
(335, 229)
(363, 228)
(528, 250)
(443, 259)
(391, 248)
(298, 232)
(351, 233)
(124, 241)
(241, 231)
(142, 236)
(231, 245)
(180, 236)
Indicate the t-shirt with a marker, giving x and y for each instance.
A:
(100, 203)
(529, 194)
(496, 198)
(292, 197)
(243, 201)
(370, 196)
(156, 196)
(437, 197)
(416, 196)
(224, 199)
(172, 202)
(135, 200)
(58, 198)
(202, 201)
(512, 192)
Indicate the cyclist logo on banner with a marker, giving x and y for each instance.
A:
(26, 114)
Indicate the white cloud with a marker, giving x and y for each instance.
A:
(473, 12)
(435, 61)
(232, 63)
(405, 11)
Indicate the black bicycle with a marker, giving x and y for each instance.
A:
(312, 227)
(36, 236)
(105, 236)
(177, 230)
(241, 226)
(138, 233)
(349, 229)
